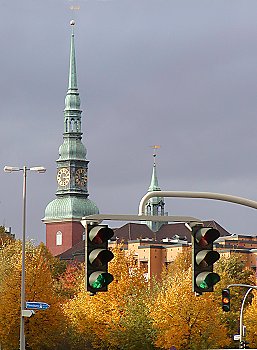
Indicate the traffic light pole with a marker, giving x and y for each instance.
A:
(250, 288)
(124, 217)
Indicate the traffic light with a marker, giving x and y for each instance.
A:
(226, 300)
(97, 256)
(203, 258)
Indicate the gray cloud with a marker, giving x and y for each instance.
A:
(177, 73)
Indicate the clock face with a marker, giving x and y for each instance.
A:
(81, 177)
(63, 176)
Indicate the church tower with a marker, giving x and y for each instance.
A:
(63, 214)
(155, 205)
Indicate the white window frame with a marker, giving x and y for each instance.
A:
(58, 238)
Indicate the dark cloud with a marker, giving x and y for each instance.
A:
(177, 73)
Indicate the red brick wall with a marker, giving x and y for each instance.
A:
(72, 233)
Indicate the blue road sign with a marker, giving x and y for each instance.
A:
(36, 305)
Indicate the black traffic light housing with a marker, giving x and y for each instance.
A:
(203, 258)
(97, 257)
(226, 300)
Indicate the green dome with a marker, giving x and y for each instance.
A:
(69, 207)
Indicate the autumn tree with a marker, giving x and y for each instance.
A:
(71, 280)
(46, 329)
(10, 269)
(232, 270)
(117, 319)
(183, 320)
(136, 329)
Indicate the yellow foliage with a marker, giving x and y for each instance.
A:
(97, 318)
(186, 321)
(39, 287)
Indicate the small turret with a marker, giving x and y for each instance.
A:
(155, 205)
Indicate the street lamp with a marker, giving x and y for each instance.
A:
(24, 169)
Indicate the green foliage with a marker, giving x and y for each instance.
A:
(136, 329)
(232, 270)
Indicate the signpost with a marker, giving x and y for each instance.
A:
(36, 305)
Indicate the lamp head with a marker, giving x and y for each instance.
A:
(39, 169)
(9, 169)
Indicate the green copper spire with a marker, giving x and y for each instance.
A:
(155, 205)
(72, 201)
(72, 112)
(72, 73)
(154, 186)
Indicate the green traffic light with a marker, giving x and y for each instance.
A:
(206, 280)
(97, 257)
(100, 279)
(203, 258)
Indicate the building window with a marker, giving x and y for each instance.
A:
(59, 238)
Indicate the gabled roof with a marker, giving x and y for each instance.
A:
(77, 252)
(134, 231)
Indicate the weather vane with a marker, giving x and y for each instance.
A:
(74, 7)
(155, 147)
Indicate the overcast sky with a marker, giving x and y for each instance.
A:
(175, 73)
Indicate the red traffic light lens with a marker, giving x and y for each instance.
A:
(100, 234)
(206, 235)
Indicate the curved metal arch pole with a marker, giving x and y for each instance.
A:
(250, 288)
(203, 195)
(241, 315)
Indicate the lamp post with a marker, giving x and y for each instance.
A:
(24, 169)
